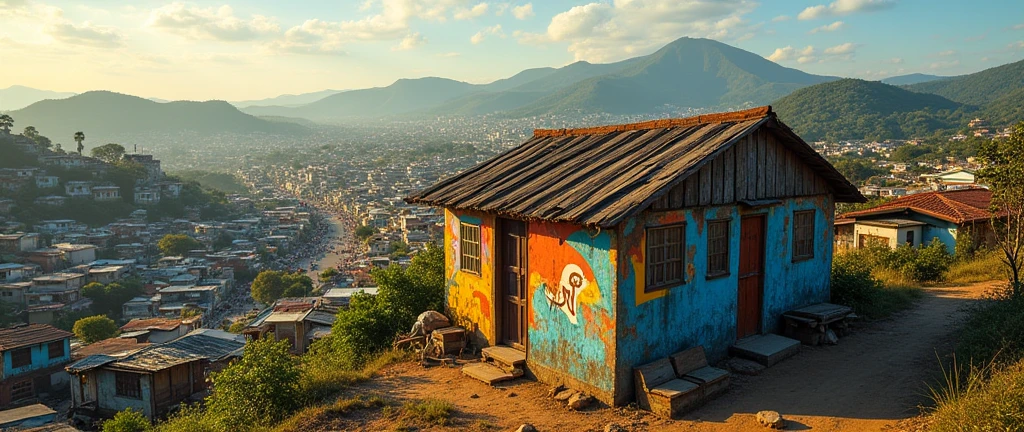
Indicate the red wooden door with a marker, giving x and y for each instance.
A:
(751, 276)
(512, 283)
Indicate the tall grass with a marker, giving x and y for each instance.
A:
(979, 404)
(982, 267)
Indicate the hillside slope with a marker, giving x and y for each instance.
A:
(696, 73)
(914, 78)
(103, 114)
(858, 109)
(978, 88)
(17, 97)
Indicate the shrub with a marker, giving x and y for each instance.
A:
(853, 284)
(994, 330)
(127, 421)
(982, 266)
(260, 389)
(430, 411)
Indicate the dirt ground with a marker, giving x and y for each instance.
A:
(868, 382)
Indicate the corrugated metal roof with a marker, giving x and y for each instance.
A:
(162, 324)
(601, 176)
(213, 345)
(30, 334)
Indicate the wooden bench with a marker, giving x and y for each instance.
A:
(658, 390)
(692, 365)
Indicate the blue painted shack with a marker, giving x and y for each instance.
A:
(32, 359)
(596, 250)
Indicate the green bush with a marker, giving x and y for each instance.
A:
(854, 285)
(94, 328)
(260, 389)
(127, 421)
(921, 264)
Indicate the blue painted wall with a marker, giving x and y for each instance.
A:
(702, 311)
(40, 359)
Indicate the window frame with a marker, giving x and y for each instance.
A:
(50, 347)
(709, 274)
(650, 286)
(807, 229)
(16, 355)
(467, 261)
(127, 385)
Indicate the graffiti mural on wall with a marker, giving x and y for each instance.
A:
(565, 297)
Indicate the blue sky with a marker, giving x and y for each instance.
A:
(261, 48)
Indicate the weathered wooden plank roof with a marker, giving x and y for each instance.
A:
(601, 176)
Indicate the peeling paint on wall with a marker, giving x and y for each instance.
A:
(470, 296)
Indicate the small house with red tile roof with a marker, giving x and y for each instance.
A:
(919, 218)
(584, 253)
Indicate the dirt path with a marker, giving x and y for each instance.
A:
(872, 379)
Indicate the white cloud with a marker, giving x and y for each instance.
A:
(946, 53)
(790, 53)
(54, 24)
(844, 7)
(843, 49)
(482, 34)
(311, 37)
(896, 60)
(210, 24)
(625, 28)
(523, 12)
(475, 11)
(410, 42)
(838, 25)
(1017, 45)
(450, 54)
(1019, 26)
(782, 18)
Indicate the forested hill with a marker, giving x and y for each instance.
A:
(858, 109)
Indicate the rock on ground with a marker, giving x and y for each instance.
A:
(614, 427)
(580, 401)
(564, 395)
(744, 366)
(771, 419)
(526, 427)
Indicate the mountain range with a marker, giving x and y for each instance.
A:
(701, 74)
(18, 97)
(687, 73)
(103, 115)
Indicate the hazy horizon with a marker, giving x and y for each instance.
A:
(238, 51)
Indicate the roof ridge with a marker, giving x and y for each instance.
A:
(749, 114)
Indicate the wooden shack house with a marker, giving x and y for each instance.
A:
(593, 251)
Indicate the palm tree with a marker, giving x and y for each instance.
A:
(79, 137)
(6, 122)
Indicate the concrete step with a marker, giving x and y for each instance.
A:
(489, 373)
(767, 349)
(504, 357)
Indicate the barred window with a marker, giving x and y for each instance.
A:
(803, 235)
(718, 248)
(470, 237)
(664, 257)
(127, 385)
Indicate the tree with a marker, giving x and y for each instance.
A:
(109, 153)
(43, 142)
(260, 389)
(94, 328)
(271, 285)
(364, 232)
(327, 275)
(30, 132)
(108, 300)
(127, 421)
(177, 244)
(79, 137)
(6, 123)
(7, 315)
(1003, 171)
(223, 240)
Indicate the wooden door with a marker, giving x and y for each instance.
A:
(512, 283)
(751, 276)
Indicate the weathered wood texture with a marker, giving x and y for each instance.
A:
(757, 167)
